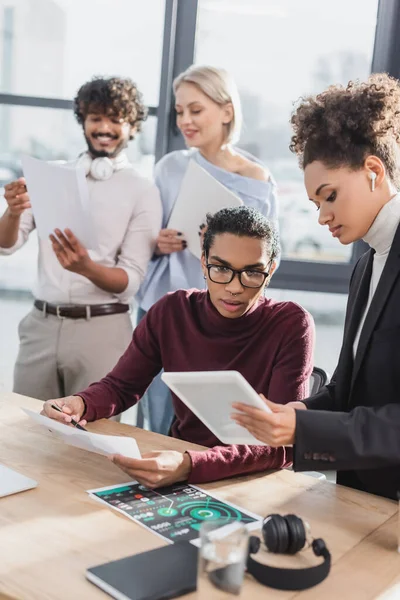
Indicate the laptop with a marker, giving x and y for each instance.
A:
(12, 482)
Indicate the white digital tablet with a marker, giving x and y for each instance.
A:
(210, 395)
(12, 482)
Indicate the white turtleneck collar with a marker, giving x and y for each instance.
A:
(382, 231)
(380, 237)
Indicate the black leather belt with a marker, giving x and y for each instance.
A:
(80, 311)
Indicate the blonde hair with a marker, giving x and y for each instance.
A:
(220, 87)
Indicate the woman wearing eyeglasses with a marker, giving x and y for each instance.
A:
(232, 326)
(209, 117)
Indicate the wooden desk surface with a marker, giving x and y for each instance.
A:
(50, 535)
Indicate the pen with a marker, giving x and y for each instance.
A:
(73, 422)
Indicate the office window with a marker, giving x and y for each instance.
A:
(50, 47)
(54, 134)
(278, 51)
(328, 312)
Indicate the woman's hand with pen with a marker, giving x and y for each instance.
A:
(71, 409)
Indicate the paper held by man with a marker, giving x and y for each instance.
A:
(93, 442)
(59, 197)
(200, 194)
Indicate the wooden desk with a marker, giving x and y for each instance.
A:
(50, 535)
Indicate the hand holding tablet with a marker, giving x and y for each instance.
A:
(210, 396)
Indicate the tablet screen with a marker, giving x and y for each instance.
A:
(210, 396)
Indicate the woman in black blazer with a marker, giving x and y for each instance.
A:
(347, 140)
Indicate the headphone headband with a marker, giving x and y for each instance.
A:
(287, 534)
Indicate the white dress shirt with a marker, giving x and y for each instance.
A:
(380, 237)
(126, 211)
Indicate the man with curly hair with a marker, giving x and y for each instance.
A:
(80, 322)
(115, 100)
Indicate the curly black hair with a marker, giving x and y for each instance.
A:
(343, 125)
(114, 95)
(244, 222)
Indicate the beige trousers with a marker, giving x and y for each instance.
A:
(60, 357)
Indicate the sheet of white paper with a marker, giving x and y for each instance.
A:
(93, 442)
(200, 194)
(59, 196)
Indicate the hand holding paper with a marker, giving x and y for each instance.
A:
(59, 196)
(157, 469)
(200, 194)
(71, 254)
(16, 197)
(169, 241)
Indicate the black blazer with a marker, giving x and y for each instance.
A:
(355, 427)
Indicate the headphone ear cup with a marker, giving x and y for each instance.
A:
(297, 534)
(102, 168)
(276, 534)
(84, 162)
(121, 161)
(254, 544)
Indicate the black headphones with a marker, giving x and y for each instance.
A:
(287, 535)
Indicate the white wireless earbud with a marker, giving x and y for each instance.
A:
(372, 176)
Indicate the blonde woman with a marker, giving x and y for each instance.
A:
(209, 116)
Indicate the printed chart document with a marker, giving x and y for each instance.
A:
(93, 442)
(174, 513)
(200, 194)
(59, 196)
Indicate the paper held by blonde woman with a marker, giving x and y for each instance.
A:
(200, 194)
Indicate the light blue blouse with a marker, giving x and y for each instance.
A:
(181, 270)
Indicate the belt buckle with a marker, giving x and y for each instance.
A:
(59, 316)
(88, 312)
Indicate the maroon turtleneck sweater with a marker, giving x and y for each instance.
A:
(271, 346)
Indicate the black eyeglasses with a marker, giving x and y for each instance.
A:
(247, 277)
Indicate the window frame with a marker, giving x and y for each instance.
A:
(177, 54)
(328, 277)
(44, 102)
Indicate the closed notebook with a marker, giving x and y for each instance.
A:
(159, 574)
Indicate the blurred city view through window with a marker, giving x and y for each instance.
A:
(279, 51)
(48, 48)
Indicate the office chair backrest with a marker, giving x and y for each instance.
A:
(318, 379)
